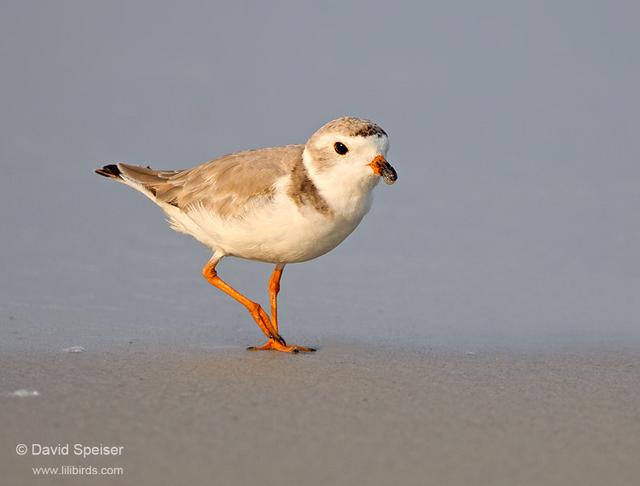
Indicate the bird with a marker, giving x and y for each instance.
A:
(279, 205)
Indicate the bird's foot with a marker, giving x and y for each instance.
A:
(273, 345)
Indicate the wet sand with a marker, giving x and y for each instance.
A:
(349, 414)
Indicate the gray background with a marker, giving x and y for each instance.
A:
(513, 226)
(513, 127)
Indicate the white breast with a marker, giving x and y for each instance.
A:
(277, 232)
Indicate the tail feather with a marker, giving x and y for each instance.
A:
(112, 171)
(145, 175)
(144, 179)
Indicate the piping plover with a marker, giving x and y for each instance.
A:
(278, 205)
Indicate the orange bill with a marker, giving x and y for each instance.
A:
(381, 167)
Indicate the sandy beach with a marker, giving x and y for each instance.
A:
(350, 414)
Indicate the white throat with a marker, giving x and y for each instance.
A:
(348, 195)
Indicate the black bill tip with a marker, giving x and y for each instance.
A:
(389, 174)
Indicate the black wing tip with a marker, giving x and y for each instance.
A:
(110, 170)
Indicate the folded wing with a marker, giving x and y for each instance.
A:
(227, 186)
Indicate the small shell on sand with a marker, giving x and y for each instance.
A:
(73, 349)
(23, 393)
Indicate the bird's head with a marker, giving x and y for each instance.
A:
(350, 151)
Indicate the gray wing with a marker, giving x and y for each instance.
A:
(225, 185)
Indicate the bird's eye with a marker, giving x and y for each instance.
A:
(340, 148)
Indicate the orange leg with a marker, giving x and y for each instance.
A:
(274, 288)
(258, 314)
(275, 342)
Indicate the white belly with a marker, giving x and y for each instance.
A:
(278, 232)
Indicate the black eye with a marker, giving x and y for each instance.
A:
(340, 148)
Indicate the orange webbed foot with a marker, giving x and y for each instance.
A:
(273, 345)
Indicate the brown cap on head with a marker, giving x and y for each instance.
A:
(352, 127)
